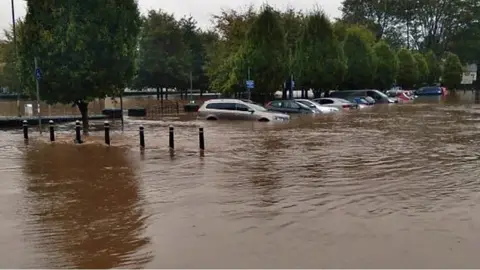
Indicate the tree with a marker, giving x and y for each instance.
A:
(225, 56)
(265, 53)
(452, 71)
(434, 68)
(387, 65)
(407, 69)
(85, 49)
(360, 60)
(320, 61)
(422, 66)
(164, 59)
(8, 72)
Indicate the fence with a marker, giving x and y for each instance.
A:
(11, 108)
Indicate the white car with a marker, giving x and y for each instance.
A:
(313, 104)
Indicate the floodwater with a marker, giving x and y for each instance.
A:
(389, 187)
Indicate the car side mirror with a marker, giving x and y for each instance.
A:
(251, 111)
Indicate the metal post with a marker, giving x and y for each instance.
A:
(201, 139)
(38, 96)
(52, 130)
(78, 135)
(191, 86)
(25, 130)
(171, 140)
(142, 137)
(291, 87)
(107, 132)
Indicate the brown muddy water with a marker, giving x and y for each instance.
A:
(389, 187)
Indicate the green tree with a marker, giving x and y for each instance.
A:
(320, 60)
(360, 60)
(265, 53)
(164, 59)
(8, 60)
(407, 69)
(434, 68)
(452, 71)
(85, 49)
(387, 65)
(422, 66)
(225, 56)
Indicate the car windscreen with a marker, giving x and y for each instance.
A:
(306, 103)
(257, 107)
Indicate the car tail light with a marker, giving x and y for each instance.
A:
(346, 106)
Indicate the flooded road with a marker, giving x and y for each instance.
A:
(388, 187)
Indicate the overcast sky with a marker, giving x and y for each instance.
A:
(201, 10)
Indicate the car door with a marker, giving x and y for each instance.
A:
(227, 111)
(243, 112)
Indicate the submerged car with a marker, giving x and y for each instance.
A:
(290, 107)
(430, 91)
(339, 103)
(236, 109)
(318, 106)
(373, 93)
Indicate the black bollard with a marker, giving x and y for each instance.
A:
(201, 139)
(142, 137)
(78, 135)
(52, 130)
(25, 129)
(107, 132)
(171, 140)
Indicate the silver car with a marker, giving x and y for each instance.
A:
(236, 109)
(339, 103)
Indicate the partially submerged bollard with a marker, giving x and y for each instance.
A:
(25, 129)
(142, 137)
(107, 132)
(52, 130)
(201, 139)
(171, 140)
(78, 135)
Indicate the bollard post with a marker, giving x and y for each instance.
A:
(201, 139)
(107, 132)
(25, 129)
(171, 140)
(78, 136)
(142, 137)
(52, 130)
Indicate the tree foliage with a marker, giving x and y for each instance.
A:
(434, 68)
(452, 74)
(320, 61)
(422, 66)
(85, 49)
(265, 51)
(360, 60)
(387, 65)
(407, 69)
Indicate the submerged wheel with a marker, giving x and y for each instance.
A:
(211, 118)
(263, 120)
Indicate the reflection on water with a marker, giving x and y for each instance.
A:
(393, 186)
(86, 209)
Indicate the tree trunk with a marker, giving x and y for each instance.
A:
(121, 108)
(83, 108)
(158, 93)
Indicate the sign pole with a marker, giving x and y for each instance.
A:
(37, 75)
(249, 90)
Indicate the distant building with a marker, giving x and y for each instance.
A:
(469, 74)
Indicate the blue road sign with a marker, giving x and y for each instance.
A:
(38, 74)
(293, 84)
(250, 84)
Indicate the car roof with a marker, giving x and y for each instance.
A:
(334, 99)
(221, 100)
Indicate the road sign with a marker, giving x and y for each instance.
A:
(293, 84)
(250, 84)
(38, 74)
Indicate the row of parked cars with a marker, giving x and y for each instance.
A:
(280, 110)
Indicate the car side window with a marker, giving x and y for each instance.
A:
(243, 108)
(326, 101)
(222, 106)
(277, 104)
(292, 105)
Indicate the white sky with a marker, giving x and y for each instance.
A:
(201, 10)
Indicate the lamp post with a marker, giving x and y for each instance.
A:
(15, 49)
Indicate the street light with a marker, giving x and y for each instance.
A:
(15, 50)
